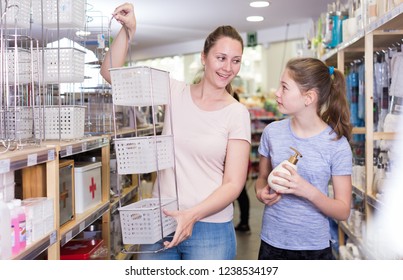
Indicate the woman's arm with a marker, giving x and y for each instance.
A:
(235, 173)
(120, 46)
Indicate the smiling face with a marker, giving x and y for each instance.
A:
(222, 62)
(289, 97)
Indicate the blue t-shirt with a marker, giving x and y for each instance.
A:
(294, 223)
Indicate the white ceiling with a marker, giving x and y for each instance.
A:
(166, 22)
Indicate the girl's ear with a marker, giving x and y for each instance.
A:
(203, 58)
(311, 96)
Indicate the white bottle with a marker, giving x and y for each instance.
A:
(292, 161)
(5, 236)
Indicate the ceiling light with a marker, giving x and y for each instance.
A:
(82, 33)
(255, 18)
(259, 4)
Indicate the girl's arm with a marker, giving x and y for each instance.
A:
(337, 208)
(262, 188)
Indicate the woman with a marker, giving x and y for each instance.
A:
(212, 142)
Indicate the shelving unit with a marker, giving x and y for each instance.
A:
(49, 155)
(376, 36)
(258, 125)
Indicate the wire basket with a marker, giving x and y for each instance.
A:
(141, 221)
(17, 13)
(139, 86)
(137, 155)
(16, 123)
(18, 66)
(71, 66)
(71, 125)
(71, 13)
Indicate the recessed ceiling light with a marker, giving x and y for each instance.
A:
(82, 33)
(259, 4)
(255, 18)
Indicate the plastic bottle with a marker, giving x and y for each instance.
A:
(15, 231)
(5, 236)
(21, 223)
(292, 161)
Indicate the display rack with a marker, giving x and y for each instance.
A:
(143, 221)
(380, 34)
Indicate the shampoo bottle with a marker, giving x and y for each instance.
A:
(292, 161)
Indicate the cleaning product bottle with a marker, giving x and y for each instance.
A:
(292, 161)
(5, 236)
(21, 223)
(15, 232)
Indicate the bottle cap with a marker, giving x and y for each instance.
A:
(294, 158)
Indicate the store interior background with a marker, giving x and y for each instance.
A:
(172, 41)
(170, 36)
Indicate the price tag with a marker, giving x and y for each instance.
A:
(4, 165)
(84, 146)
(82, 226)
(69, 150)
(51, 155)
(69, 236)
(52, 238)
(32, 159)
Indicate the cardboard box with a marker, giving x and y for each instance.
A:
(66, 191)
(88, 185)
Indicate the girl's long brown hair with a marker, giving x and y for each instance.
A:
(330, 85)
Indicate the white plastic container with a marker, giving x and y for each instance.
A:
(141, 220)
(88, 184)
(5, 236)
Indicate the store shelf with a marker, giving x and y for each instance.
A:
(34, 250)
(388, 30)
(358, 130)
(82, 221)
(29, 156)
(69, 148)
(359, 192)
(389, 21)
(127, 194)
(357, 241)
(379, 35)
(371, 200)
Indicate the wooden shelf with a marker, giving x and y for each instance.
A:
(34, 250)
(379, 35)
(127, 194)
(82, 221)
(29, 156)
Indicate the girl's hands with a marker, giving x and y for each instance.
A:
(266, 197)
(293, 183)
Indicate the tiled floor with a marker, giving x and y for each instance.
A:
(248, 244)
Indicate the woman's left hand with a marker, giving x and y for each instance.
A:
(295, 184)
(185, 222)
